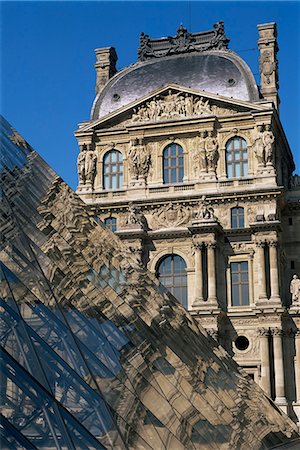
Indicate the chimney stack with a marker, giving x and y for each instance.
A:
(106, 59)
(268, 63)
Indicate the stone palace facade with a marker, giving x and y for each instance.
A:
(186, 159)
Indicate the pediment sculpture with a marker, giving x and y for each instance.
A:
(172, 105)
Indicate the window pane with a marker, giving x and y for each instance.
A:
(172, 273)
(235, 295)
(237, 168)
(113, 170)
(229, 171)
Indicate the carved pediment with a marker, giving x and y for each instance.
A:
(171, 102)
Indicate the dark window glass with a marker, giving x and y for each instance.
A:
(173, 164)
(112, 170)
(111, 223)
(236, 158)
(172, 273)
(237, 218)
(239, 283)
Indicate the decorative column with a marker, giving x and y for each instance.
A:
(211, 271)
(278, 366)
(274, 271)
(261, 270)
(297, 365)
(198, 275)
(265, 360)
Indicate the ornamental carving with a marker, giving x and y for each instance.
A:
(172, 106)
(264, 146)
(204, 212)
(86, 165)
(295, 289)
(136, 218)
(183, 42)
(172, 215)
(139, 160)
(205, 154)
(267, 66)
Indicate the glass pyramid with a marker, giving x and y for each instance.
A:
(95, 353)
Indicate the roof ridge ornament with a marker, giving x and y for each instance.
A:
(183, 42)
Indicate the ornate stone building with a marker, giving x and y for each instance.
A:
(185, 158)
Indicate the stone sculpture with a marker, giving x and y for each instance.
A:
(212, 155)
(171, 106)
(268, 141)
(136, 217)
(139, 160)
(295, 289)
(267, 66)
(90, 166)
(264, 146)
(205, 212)
(81, 165)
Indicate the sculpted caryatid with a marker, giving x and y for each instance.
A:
(90, 166)
(212, 154)
(268, 141)
(81, 165)
(200, 153)
(295, 288)
(259, 149)
(139, 160)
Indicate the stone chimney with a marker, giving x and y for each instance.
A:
(106, 59)
(268, 63)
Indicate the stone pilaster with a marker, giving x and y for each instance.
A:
(280, 398)
(211, 271)
(198, 301)
(262, 295)
(265, 360)
(275, 297)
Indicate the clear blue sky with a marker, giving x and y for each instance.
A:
(48, 76)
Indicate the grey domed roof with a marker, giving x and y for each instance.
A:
(220, 72)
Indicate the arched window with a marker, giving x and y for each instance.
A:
(111, 223)
(171, 272)
(237, 218)
(236, 158)
(173, 164)
(112, 170)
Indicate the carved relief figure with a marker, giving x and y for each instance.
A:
(205, 212)
(199, 155)
(258, 147)
(136, 217)
(139, 160)
(267, 66)
(268, 141)
(90, 166)
(171, 215)
(170, 106)
(295, 289)
(212, 154)
(81, 165)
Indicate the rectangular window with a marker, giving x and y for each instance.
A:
(239, 283)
